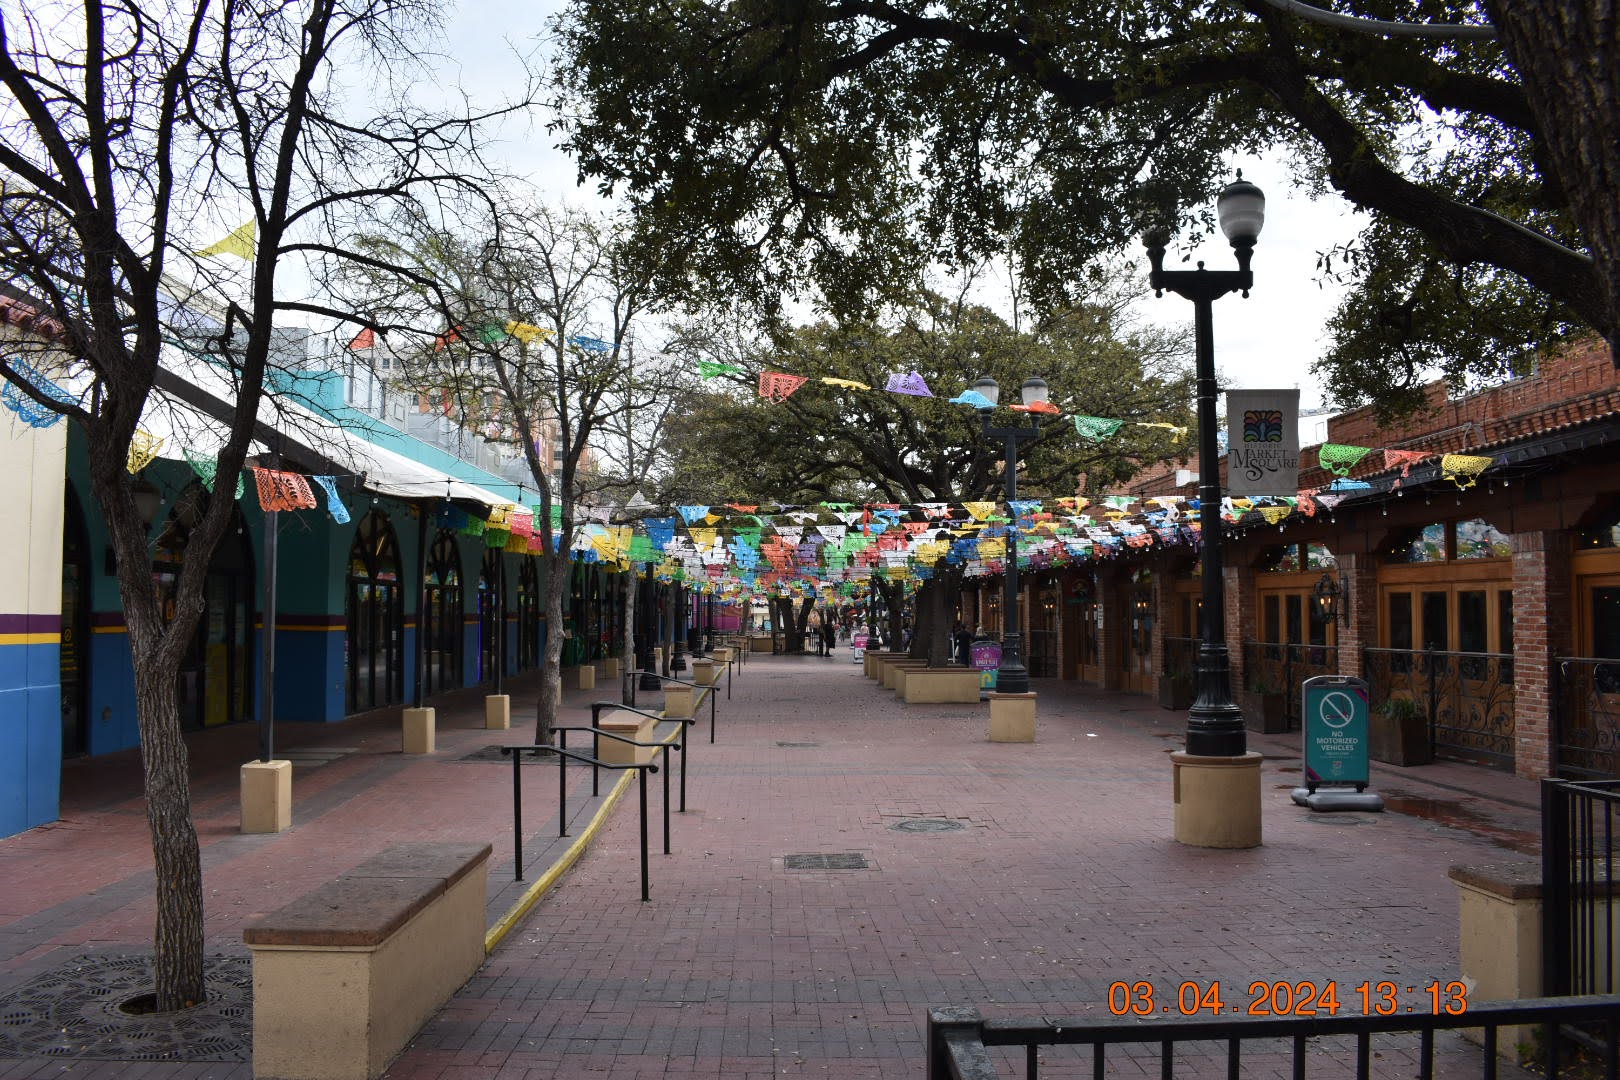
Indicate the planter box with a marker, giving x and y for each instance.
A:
(1176, 693)
(940, 685)
(1265, 713)
(1399, 741)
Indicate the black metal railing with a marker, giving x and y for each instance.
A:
(563, 755)
(1578, 823)
(699, 692)
(959, 1039)
(1466, 697)
(1586, 717)
(1282, 667)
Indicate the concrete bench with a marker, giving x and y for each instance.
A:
(345, 976)
(873, 660)
(927, 686)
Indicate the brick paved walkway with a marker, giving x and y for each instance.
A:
(1061, 880)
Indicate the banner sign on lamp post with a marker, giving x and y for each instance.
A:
(1262, 455)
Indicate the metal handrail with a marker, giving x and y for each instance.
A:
(563, 753)
(958, 1037)
(699, 688)
(596, 716)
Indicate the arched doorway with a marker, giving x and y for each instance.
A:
(213, 682)
(440, 624)
(74, 653)
(491, 612)
(374, 608)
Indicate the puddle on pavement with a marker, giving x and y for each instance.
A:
(1453, 813)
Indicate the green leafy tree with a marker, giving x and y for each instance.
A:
(851, 144)
(828, 442)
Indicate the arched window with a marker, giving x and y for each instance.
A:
(375, 609)
(214, 682)
(441, 621)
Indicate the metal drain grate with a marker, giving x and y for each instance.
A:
(926, 825)
(843, 860)
(798, 745)
(73, 1012)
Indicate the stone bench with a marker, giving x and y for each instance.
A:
(928, 686)
(346, 975)
(872, 661)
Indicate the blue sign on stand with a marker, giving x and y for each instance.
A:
(1335, 714)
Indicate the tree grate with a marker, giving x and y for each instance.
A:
(843, 860)
(73, 1011)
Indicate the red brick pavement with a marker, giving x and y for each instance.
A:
(1062, 880)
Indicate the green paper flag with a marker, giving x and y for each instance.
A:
(710, 368)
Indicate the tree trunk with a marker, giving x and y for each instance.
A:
(545, 718)
(178, 943)
(1567, 52)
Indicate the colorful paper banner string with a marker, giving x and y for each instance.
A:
(143, 447)
(365, 339)
(334, 505)
(528, 333)
(280, 490)
(1095, 427)
(207, 469)
(1037, 407)
(1338, 459)
(847, 384)
(590, 344)
(778, 385)
(27, 409)
(909, 383)
(1178, 432)
(1464, 469)
(1405, 459)
(973, 398)
(710, 369)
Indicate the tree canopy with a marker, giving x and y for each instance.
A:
(850, 142)
(849, 439)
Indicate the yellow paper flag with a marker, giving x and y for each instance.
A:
(528, 333)
(239, 243)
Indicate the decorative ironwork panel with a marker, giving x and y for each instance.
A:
(1586, 717)
(1180, 656)
(1467, 698)
(1280, 667)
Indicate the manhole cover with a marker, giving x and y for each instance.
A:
(1334, 819)
(73, 1012)
(798, 745)
(843, 860)
(927, 824)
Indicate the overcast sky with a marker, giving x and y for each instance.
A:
(1268, 340)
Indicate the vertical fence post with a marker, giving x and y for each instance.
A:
(1554, 888)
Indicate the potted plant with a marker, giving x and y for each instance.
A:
(1399, 733)
(1176, 689)
(1265, 706)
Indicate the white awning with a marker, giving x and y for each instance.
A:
(186, 426)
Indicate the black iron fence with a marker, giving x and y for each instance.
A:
(1586, 717)
(1578, 822)
(960, 1040)
(1465, 697)
(1280, 667)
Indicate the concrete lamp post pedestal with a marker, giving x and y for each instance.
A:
(1217, 799)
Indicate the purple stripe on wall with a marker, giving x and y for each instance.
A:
(30, 624)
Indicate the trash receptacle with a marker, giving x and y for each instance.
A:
(987, 658)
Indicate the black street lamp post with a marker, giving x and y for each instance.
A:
(1012, 677)
(1214, 723)
(647, 615)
